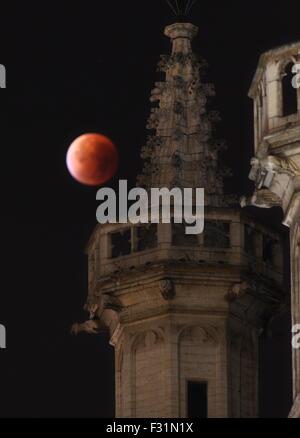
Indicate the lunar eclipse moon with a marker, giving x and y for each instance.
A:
(92, 159)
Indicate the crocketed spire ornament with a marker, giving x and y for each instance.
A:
(181, 151)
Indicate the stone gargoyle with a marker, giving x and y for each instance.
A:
(271, 175)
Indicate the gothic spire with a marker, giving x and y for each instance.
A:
(180, 152)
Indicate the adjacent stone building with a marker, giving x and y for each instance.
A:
(275, 91)
(185, 312)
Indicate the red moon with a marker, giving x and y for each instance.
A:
(92, 159)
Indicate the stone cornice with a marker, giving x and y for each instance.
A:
(286, 141)
(267, 56)
(181, 30)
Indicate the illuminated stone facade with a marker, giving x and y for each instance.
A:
(276, 165)
(180, 308)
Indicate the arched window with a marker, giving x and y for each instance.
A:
(289, 93)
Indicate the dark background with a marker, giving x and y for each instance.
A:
(88, 67)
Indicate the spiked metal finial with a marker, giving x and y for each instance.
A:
(181, 7)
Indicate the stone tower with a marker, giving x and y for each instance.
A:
(184, 312)
(275, 91)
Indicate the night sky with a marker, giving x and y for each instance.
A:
(90, 67)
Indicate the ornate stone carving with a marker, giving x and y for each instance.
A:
(235, 290)
(90, 326)
(263, 169)
(103, 312)
(101, 301)
(266, 173)
(167, 289)
(199, 334)
(147, 339)
(262, 198)
(185, 124)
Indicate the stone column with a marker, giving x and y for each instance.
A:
(295, 283)
(274, 93)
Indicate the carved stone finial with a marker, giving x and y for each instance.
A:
(167, 289)
(181, 30)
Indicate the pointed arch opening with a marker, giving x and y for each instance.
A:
(289, 93)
